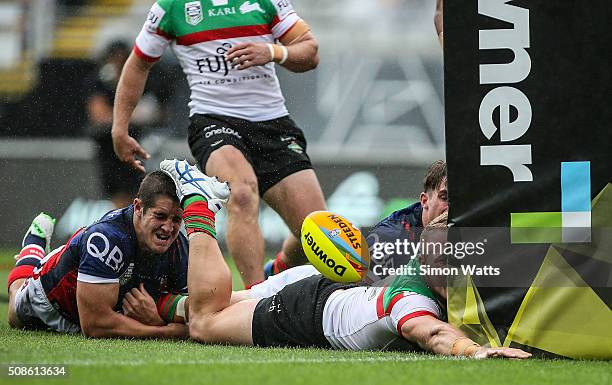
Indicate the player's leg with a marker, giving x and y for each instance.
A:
(244, 238)
(293, 198)
(35, 244)
(211, 319)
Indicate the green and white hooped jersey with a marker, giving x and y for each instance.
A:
(201, 32)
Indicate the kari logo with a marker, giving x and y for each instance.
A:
(193, 12)
(247, 7)
(572, 224)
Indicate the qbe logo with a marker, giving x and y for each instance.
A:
(98, 247)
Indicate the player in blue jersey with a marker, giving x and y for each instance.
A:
(94, 283)
(407, 223)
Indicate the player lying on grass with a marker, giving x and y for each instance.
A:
(313, 311)
(104, 269)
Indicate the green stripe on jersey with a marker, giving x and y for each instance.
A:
(184, 17)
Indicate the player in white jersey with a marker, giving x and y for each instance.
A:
(240, 128)
(304, 309)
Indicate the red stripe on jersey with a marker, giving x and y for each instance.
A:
(393, 301)
(19, 272)
(380, 303)
(416, 314)
(54, 260)
(63, 296)
(223, 33)
(275, 20)
(144, 56)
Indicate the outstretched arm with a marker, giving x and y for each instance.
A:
(129, 90)
(440, 337)
(99, 320)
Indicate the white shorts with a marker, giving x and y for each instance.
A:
(353, 318)
(33, 309)
(277, 282)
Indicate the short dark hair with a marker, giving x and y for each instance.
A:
(154, 185)
(435, 175)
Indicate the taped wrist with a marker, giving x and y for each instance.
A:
(464, 347)
(278, 53)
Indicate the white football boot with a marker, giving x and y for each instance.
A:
(42, 226)
(191, 181)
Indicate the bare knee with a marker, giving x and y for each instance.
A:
(244, 198)
(12, 318)
(199, 329)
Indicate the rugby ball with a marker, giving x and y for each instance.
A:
(335, 247)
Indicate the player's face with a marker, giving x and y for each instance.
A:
(434, 203)
(157, 227)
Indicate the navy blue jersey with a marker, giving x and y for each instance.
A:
(401, 226)
(107, 252)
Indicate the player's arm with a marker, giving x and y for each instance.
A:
(440, 337)
(298, 51)
(99, 320)
(129, 90)
(438, 20)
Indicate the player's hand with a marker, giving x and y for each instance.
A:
(127, 149)
(484, 352)
(246, 55)
(177, 330)
(139, 305)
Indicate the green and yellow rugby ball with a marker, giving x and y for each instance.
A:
(335, 247)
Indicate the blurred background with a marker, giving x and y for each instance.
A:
(372, 111)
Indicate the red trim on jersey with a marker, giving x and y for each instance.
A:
(416, 314)
(19, 272)
(144, 56)
(393, 301)
(63, 296)
(380, 303)
(275, 20)
(223, 33)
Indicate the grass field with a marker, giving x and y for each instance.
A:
(117, 362)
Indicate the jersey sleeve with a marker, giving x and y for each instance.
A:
(284, 17)
(156, 33)
(101, 256)
(411, 305)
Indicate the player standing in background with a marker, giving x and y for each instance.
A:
(240, 128)
(105, 268)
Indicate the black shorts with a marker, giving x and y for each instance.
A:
(294, 316)
(275, 148)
